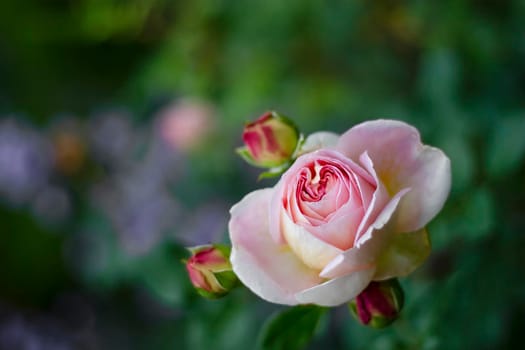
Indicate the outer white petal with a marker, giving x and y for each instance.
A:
(270, 270)
(402, 161)
(339, 290)
(274, 212)
(430, 181)
(318, 140)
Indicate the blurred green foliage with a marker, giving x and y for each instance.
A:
(453, 68)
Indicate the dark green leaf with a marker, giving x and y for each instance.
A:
(291, 329)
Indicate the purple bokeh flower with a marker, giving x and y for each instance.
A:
(25, 162)
(137, 200)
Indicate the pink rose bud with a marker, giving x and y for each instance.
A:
(210, 270)
(379, 304)
(270, 141)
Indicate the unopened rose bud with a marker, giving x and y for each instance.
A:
(210, 270)
(379, 304)
(270, 141)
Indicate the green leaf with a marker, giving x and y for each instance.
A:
(292, 328)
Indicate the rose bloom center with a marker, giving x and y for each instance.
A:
(328, 198)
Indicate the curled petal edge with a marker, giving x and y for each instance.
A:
(370, 245)
(337, 291)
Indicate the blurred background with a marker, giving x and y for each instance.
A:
(118, 123)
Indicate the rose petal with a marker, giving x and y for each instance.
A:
(405, 252)
(311, 250)
(329, 202)
(366, 189)
(367, 249)
(274, 210)
(337, 291)
(430, 183)
(379, 199)
(384, 217)
(270, 270)
(340, 230)
(401, 161)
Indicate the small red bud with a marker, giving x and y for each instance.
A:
(379, 304)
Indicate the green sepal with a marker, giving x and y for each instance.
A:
(227, 279)
(300, 143)
(223, 248)
(274, 172)
(245, 154)
(210, 295)
(288, 122)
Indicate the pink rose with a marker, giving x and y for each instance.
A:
(351, 210)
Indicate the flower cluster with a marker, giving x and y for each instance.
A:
(348, 211)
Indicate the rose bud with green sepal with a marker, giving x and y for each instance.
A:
(270, 141)
(210, 270)
(379, 304)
